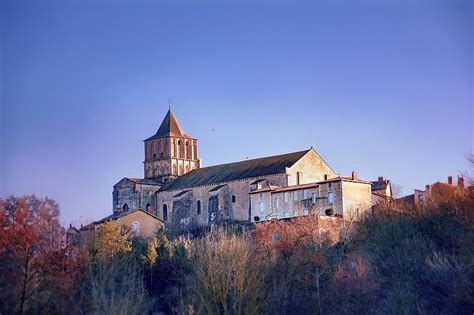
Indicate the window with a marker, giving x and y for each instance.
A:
(286, 196)
(125, 208)
(261, 195)
(329, 212)
(330, 186)
(330, 197)
(233, 198)
(295, 195)
(305, 194)
(135, 227)
(276, 203)
(165, 212)
(198, 207)
(261, 207)
(313, 197)
(148, 208)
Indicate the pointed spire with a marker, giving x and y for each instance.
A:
(169, 127)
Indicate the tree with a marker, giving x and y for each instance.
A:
(111, 239)
(30, 242)
(228, 279)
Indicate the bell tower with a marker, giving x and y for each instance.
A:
(170, 152)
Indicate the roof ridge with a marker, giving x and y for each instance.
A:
(261, 158)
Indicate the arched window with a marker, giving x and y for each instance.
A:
(175, 170)
(125, 208)
(233, 198)
(165, 212)
(135, 227)
(198, 207)
(188, 150)
(180, 170)
(187, 169)
(181, 149)
(148, 208)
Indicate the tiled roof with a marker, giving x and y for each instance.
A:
(116, 216)
(309, 185)
(145, 181)
(181, 193)
(217, 188)
(169, 127)
(235, 171)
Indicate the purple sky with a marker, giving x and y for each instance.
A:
(382, 89)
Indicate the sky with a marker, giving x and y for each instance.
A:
(381, 87)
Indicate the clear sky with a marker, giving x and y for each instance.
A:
(382, 87)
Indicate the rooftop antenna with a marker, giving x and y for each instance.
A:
(169, 104)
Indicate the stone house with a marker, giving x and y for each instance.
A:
(338, 196)
(138, 223)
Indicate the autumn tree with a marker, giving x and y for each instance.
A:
(31, 253)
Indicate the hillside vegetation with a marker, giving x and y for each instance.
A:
(401, 259)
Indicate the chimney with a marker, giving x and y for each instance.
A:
(354, 175)
(380, 179)
(450, 180)
(428, 189)
(460, 182)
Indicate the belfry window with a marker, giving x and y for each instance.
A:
(233, 198)
(165, 212)
(198, 207)
(125, 208)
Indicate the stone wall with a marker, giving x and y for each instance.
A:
(310, 168)
(238, 210)
(357, 198)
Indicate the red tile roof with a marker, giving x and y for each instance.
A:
(170, 127)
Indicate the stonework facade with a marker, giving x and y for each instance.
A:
(184, 195)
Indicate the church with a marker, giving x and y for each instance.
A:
(184, 195)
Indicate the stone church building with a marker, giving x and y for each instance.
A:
(185, 195)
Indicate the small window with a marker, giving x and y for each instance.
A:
(277, 203)
(154, 155)
(313, 197)
(162, 155)
(135, 227)
(295, 195)
(233, 198)
(329, 212)
(198, 207)
(305, 194)
(286, 196)
(165, 212)
(125, 208)
(149, 208)
(330, 197)
(330, 186)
